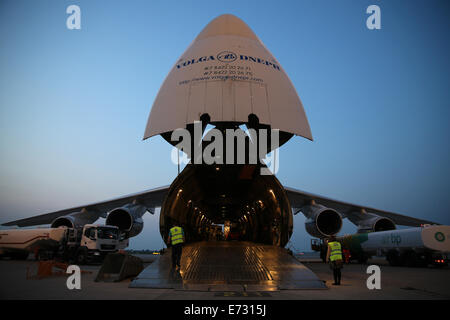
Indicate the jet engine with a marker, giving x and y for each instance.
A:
(75, 220)
(373, 223)
(321, 221)
(65, 221)
(128, 219)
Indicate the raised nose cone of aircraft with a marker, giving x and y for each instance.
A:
(228, 74)
(227, 25)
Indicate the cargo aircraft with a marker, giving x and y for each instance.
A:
(227, 79)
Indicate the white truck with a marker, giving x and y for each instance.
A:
(89, 244)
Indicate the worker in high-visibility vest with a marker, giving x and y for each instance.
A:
(176, 240)
(334, 256)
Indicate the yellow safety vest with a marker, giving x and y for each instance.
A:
(176, 235)
(336, 252)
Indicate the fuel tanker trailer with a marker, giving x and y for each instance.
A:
(419, 246)
(18, 243)
(82, 245)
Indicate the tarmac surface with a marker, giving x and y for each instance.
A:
(396, 283)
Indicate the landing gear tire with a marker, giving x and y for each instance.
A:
(41, 255)
(393, 258)
(410, 259)
(81, 257)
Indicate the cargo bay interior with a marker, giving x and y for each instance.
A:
(249, 206)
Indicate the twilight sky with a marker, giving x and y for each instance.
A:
(74, 103)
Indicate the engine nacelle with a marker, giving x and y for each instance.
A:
(65, 221)
(75, 220)
(321, 221)
(128, 219)
(375, 223)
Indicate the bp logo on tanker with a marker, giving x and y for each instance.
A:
(439, 236)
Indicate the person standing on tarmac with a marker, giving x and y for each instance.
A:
(334, 256)
(176, 239)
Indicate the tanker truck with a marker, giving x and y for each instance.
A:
(421, 246)
(88, 244)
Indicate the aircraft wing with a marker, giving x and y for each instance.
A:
(299, 198)
(150, 199)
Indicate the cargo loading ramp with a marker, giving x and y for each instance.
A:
(229, 266)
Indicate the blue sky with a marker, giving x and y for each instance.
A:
(74, 103)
